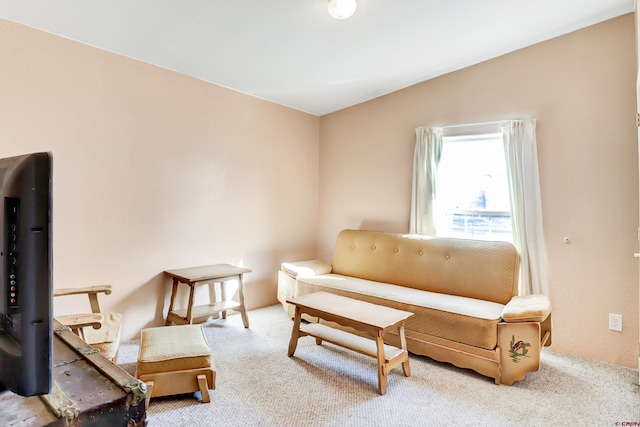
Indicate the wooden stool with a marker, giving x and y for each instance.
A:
(175, 360)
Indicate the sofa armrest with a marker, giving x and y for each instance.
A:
(527, 308)
(305, 268)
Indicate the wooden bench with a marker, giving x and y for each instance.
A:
(372, 319)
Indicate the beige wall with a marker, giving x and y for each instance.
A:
(154, 170)
(581, 88)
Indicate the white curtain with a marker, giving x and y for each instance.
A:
(526, 207)
(428, 152)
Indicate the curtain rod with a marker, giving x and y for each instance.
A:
(490, 122)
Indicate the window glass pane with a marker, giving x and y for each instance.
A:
(472, 189)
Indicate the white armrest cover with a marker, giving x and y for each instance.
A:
(527, 308)
(305, 268)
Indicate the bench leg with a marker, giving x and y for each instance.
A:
(382, 372)
(293, 343)
(403, 345)
(318, 339)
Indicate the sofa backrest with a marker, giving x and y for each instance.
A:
(469, 268)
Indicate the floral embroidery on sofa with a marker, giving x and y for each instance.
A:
(518, 349)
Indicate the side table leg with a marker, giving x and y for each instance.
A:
(223, 296)
(293, 342)
(192, 291)
(174, 290)
(382, 369)
(213, 298)
(243, 311)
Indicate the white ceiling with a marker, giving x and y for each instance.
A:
(293, 53)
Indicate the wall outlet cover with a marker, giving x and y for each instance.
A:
(615, 322)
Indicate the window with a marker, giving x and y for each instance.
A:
(477, 208)
(472, 193)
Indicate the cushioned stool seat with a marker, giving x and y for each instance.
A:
(175, 360)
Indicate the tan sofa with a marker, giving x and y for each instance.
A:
(463, 294)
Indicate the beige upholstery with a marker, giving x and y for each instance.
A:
(528, 308)
(463, 294)
(305, 268)
(175, 360)
(164, 349)
(468, 268)
(100, 330)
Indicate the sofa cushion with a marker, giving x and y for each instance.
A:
(450, 303)
(461, 319)
(467, 268)
(172, 348)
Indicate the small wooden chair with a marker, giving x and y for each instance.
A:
(99, 330)
(175, 360)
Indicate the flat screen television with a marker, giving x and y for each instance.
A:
(26, 323)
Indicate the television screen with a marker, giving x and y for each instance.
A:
(26, 337)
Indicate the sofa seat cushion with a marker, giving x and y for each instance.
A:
(450, 303)
(466, 320)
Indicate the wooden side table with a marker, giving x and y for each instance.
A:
(208, 274)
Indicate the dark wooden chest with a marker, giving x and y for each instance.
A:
(89, 391)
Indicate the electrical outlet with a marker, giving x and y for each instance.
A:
(615, 322)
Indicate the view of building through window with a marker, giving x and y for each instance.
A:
(472, 192)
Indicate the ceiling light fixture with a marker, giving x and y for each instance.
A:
(342, 9)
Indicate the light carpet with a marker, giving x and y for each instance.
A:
(258, 385)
